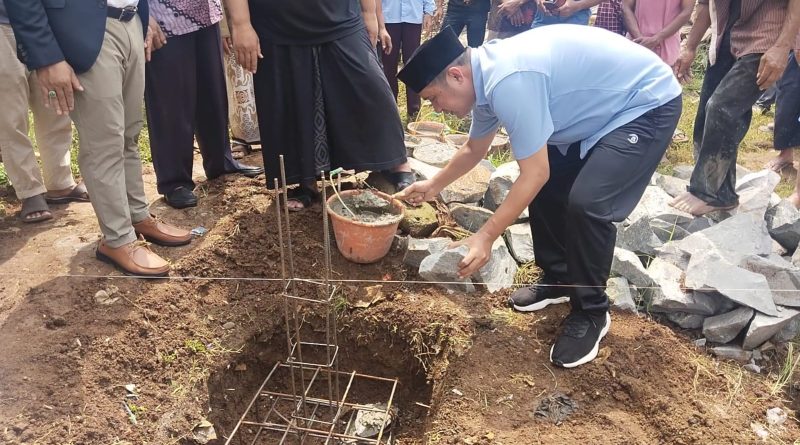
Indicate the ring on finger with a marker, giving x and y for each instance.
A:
(51, 94)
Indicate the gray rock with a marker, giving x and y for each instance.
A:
(423, 170)
(672, 185)
(229, 325)
(655, 202)
(709, 271)
(500, 184)
(667, 231)
(437, 155)
(788, 332)
(619, 292)
(763, 327)
(783, 223)
(420, 248)
(779, 250)
(469, 188)
(470, 217)
(725, 327)
(796, 258)
(520, 242)
(638, 237)
(673, 254)
(754, 191)
(501, 269)
(700, 342)
(752, 367)
(103, 298)
(443, 267)
(627, 265)
(751, 238)
(670, 296)
(686, 320)
(782, 277)
(732, 352)
(683, 172)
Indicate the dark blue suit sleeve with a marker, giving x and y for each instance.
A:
(36, 45)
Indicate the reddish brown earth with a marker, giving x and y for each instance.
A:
(482, 370)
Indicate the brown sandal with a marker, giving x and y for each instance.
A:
(33, 205)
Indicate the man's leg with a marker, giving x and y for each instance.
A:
(787, 116)
(456, 20)
(608, 188)
(211, 113)
(410, 42)
(548, 213)
(390, 61)
(54, 138)
(725, 121)
(171, 96)
(19, 158)
(476, 27)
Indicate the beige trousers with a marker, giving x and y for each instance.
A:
(19, 91)
(108, 116)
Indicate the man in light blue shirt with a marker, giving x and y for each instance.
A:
(590, 115)
(574, 12)
(405, 20)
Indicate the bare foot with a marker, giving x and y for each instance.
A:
(689, 203)
(783, 160)
(794, 198)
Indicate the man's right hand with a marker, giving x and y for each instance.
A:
(683, 66)
(419, 192)
(542, 8)
(246, 47)
(60, 80)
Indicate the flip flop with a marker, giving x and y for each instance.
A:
(77, 194)
(32, 205)
(240, 149)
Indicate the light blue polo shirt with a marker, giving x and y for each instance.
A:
(562, 84)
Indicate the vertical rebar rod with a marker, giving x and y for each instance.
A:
(331, 330)
(290, 256)
(327, 286)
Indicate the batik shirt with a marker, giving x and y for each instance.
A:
(179, 17)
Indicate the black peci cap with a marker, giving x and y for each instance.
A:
(430, 59)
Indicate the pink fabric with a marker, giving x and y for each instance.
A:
(652, 17)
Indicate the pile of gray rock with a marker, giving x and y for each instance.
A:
(733, 275)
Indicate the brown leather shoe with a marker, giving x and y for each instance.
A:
(161, 233)
(133, 259)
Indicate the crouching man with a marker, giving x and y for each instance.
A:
(590, 115)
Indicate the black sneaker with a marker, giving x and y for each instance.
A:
(580, 338)
(534, 298)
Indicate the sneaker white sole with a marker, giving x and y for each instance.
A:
(539, 305)
(592, 354)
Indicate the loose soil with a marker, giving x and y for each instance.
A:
(197, 346)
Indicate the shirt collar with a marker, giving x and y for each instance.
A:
(477, 77)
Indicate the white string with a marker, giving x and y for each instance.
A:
(319, 281)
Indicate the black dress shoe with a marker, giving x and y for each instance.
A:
(181, 198)
(251, 171)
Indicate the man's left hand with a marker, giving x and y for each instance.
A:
(480, 248)
(569, 8)
(771, 68)
(649, 42)
(510, 7)
(155, 38)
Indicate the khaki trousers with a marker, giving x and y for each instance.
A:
(19, 90)
(108, 116)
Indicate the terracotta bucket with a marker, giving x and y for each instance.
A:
(427, 129)
(364, 242)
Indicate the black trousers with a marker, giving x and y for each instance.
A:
(787, 107)
(723, 118)
(186, 98)
(405, 39)
(572, 217)
(473, 18)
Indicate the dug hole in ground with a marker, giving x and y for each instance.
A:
(470, 371)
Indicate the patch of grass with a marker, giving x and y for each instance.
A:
(787, 369)
(196, 346)
(508, 317)
(167, 358)
(528, 273)
(501, 157)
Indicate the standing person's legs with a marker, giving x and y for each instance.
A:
(54, 137)
(548, 213)
(19, 158)
(608, 188)
(171, 105)
(455, 18)
(720, 126)
(211, 117)
(411, 36)
(391, 60)
(787, 116)
(476, 27)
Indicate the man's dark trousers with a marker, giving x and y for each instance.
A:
(572, 218)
